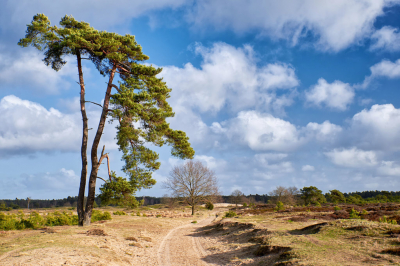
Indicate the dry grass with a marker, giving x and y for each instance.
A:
(266, 238)
(124, 240)
(275, 239)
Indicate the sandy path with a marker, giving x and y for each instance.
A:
(180, 248)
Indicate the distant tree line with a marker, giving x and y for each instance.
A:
(55, 203)
(306, 195)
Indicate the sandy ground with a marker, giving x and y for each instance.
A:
(128, 241)
(180, 247)
(170, 237)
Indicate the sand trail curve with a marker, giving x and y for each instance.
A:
(179, 247)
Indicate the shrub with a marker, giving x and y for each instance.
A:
(194, 222)
(35, 220)
(158, 215)
(385, 220)
(119, 213)
(251, 205)
(3, 207)
(230, 214)
(354, 214)
(100, 216)
(336, 208)
(245, 204)
(57, 218)
(209, 206)
(317, 204)
(279, 206)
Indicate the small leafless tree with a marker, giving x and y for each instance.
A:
(193, 182)
(284, 195)
(237, 197)
(28, 199)
(169, 201)
(279, 194)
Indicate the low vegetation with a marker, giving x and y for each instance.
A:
(209, 206)
(230, 214)
(119, 213)
(34, 220)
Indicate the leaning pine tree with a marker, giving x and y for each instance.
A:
(139, 105)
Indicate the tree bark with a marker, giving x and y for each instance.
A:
(193, 209)
(81, 195)
(96, 141)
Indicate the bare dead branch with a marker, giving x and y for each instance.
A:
(94, 103)
(115, 87)
(108, 167)
(102, 179)
(105, 155)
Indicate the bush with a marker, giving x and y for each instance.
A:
(354, 214)
(194, 222)
(35, 220)
(209, 206)
(3, 207)
(279, 206)
(336, 208)
(230, 214)
(385, 220)
(119, 213)
(99, 216)
(57, 218)
(245, 204)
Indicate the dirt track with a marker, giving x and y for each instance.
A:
(179, 247)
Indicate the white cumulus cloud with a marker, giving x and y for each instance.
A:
(352, 157)
(389, 168)
(387, 38)
(28, 127)
(262, 132)
(376, 128)
(383, 69)
(336, 95)
(27, 70)
(335, 25)
(229, 76)
(324, 132)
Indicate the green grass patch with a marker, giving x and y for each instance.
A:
(230, 214)
(34, 220)
(119, 213)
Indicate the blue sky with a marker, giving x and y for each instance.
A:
(271, 93)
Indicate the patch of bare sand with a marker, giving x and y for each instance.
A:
(180, 247)
(72, 245)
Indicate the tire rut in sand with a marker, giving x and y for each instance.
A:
(180, 248)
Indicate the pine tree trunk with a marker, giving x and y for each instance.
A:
(95, 161)
(81, 195)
